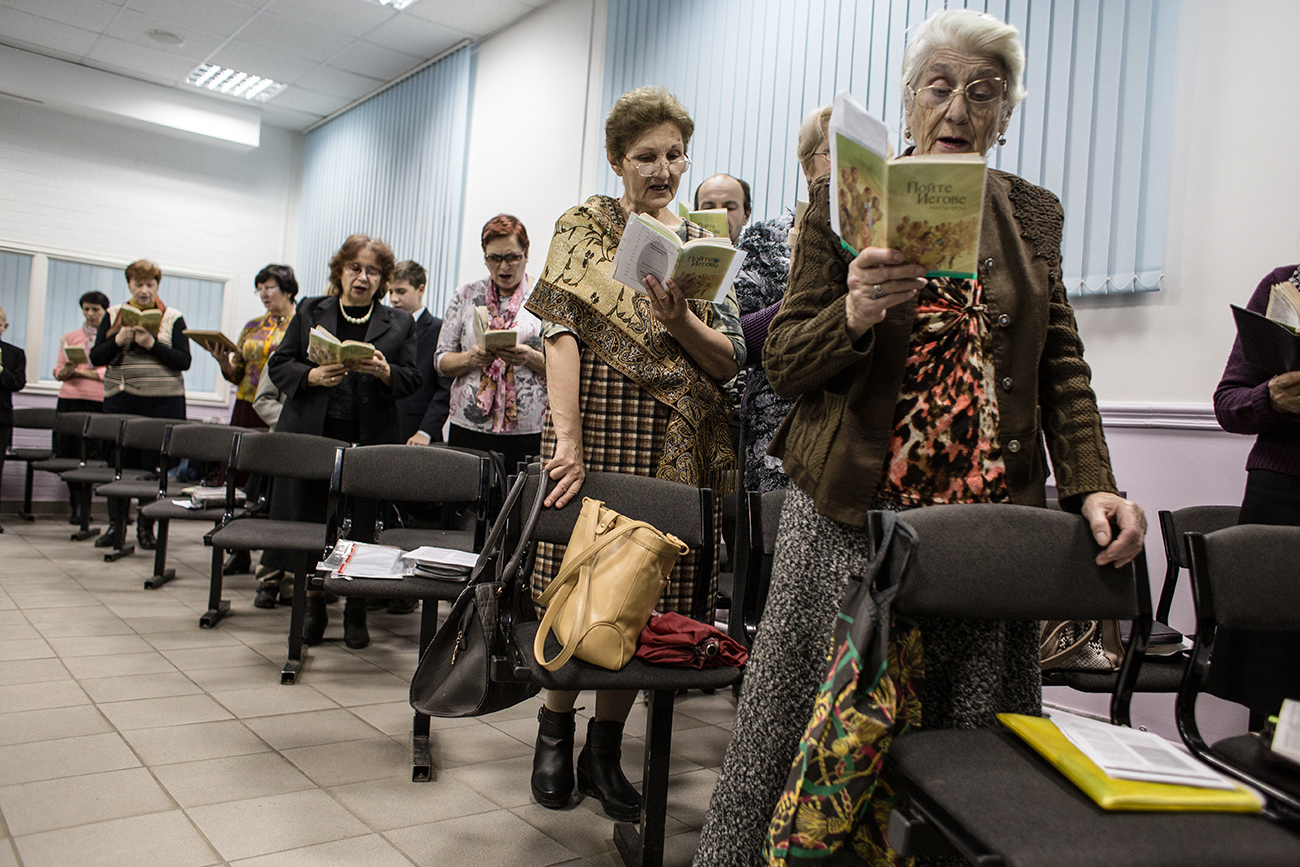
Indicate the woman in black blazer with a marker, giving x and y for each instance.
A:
(358, 405)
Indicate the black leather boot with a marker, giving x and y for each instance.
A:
(144, 534)
(552, 780)
(313, 623)
(355, 633)
(600, 772)
(237, 563)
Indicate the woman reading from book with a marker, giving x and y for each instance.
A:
(634, 384)
(915, 392)
(1250, 400)
(142, 345)
(82, 384)
(498, 393)
(276, 288)
(356, 404)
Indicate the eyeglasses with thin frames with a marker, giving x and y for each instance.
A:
(649, 168)
(979, 93)
(357, 268)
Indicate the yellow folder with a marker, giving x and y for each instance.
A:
(1112, 793)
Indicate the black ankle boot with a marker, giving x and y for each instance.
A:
(600, 772)
(237, 563)
(313, 624)
(355, 633)
(552, 780)
(144, 534)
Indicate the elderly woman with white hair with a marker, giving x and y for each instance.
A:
(937, 391)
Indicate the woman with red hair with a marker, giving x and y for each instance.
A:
(498, 398)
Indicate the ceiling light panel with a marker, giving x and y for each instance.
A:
(231, 82)
(393, 4)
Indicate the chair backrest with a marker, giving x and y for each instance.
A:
(1173, 525)
(287, 455)
(107, 426)
(200, 442)
(1243, 578)
(763, 517)
(682, 510)
(995, 561)
(399, 472)
(146, 434)
(35, 417)
(72, 423)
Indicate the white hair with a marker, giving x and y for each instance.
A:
(812, 132)
(970, 32)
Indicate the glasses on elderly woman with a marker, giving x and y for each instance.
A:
(357, 268)
(504, 258)
(980, 92)
(648, 168)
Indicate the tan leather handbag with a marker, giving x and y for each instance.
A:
(612, 574)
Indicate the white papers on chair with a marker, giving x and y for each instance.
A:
(363, 560)
(1129, 754)
(447, 563)
(1286, 733)
(201, 497)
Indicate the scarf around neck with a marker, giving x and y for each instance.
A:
(496, 396)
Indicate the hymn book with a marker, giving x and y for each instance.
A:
(490, 338)
(130, 315)
(325, 348)
(212, 341)
(703, 268)
(1270, 340)
(926, 207)
(76, 355)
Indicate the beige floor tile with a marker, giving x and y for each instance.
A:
(119, 665)
(310, 729)
(75, 627)
(159, 838)
(498, 839)
(265, 673)
(135, 686)
(48, 598)
(47, 805)
(44, 670)
(679, 849)
(48, 724)
(99, 645)
(154, 712)
(369, 688)
(243, 829)
(523, 730)
(34, 696)
(689, 794)
(202, 658)
(67, 757)
(456, 747)
(8, 857)
(191, 743)
(581, 826)
(504, 782)
(387, 804)
(234, 778)
(22, 631)
(181, 622)
(353, 762)
(704, 746)
(86, 614)
(272, 700)
(189, 638)
(25, 648)
(392, 718)
(371, 850)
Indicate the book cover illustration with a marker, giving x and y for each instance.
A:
(703, 268)
(130, 316)
(927, 207)
(325, 348)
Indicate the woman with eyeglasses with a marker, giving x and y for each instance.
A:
(913, 392)
(634, 381)
(498, 396)
(354, 405)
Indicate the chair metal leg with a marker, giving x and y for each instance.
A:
(117, 510)
(85, 531)
(421, 757)
(161, 574)
(298, 613)
(217, 607)
(26, 513)
(644, 847)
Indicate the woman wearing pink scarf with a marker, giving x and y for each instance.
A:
(498, 398)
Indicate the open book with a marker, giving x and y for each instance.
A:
(212, 341)
(489, 338)
(1270, 341)
(927, 207)
(76, 354)
(325, 348)
(702, 268)
(713, 219)
(130, 316)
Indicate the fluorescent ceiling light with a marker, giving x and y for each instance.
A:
(230, 82)
(396, 4)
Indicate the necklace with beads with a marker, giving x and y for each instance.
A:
(356, 320)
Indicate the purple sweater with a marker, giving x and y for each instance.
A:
(1241, 401)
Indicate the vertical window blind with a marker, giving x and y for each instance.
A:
(15, 288)
(393, 167)
(1094, 128)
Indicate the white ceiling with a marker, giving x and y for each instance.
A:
(329, 52)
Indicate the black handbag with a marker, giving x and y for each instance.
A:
(471, 667)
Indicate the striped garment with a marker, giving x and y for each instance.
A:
(135, 371)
